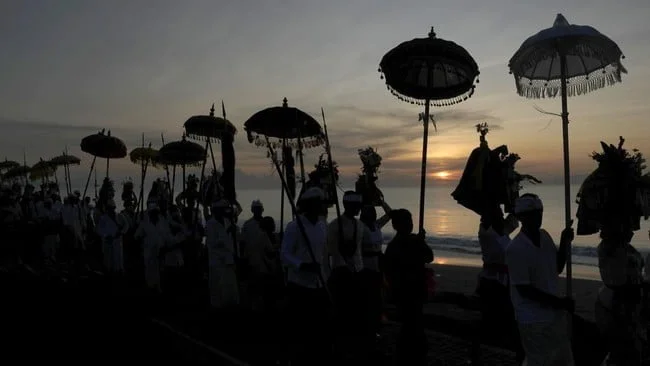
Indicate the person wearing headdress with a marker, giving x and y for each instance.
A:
(155, 235)
(222, 279)
(404, 265)
(304, 254)
(344, 239)
(111, 229)
(609, 203)
(534, 265)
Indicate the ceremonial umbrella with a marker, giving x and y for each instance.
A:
(15, 172)
(143, 156)
(216, 129)
(65, 161)
(567, 60)
(104, 146)
(288, 128)
(8, 164)
(41, 170)
(433, 72)
(181, 153)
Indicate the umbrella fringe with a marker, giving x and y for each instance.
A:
(309, 142)
(579, 85)
(433, 103)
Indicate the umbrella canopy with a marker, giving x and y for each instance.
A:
(430, 69)
(141, 155)
(209, 127)
(431, 72)
(279, 123)
(42, 169)
(8, 164)
(592, 61)
(103, 146)
(64, 160)
(16, 172)
(181, 153)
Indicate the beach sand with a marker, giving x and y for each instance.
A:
(463, 279)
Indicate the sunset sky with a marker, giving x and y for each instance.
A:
(70, 68)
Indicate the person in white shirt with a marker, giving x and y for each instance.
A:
(111, 229)
(222, 279)
(372, 276)
(493, 284)
(303, 252)
(534, 265)
(344, 239)
(155, 234)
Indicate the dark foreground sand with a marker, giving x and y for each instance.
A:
(464, 279)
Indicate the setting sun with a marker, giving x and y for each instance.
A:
(442, 175)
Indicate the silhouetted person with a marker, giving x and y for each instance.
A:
(534, 265)
(308, 301)
(405, 259)
(493, 284)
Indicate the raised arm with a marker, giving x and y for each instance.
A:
(382, 221)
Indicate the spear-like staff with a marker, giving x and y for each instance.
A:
(166, 167)
(328, 149)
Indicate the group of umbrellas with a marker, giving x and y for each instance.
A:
(44, 170)
(564, 60)
(281, 126)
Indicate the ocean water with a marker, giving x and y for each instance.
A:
(452, 229)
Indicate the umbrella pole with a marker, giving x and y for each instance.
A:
(66, 171)
(184, 187)
(173, 182)
(108, 166)
(196, 212)
(65, 180)
(92, 167)
(302, 163)
(423, 173)
(214, 164)
(567, 169)
(139, 203)
(144, 178)
(284, 144)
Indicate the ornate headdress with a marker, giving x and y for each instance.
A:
(616, 192)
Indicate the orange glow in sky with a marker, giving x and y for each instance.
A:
(442, 175)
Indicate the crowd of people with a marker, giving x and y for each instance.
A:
(332, 275)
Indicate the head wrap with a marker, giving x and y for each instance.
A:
(257, 203)
(313, 193)
(352, 197)
(528, 203)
